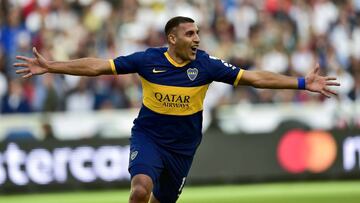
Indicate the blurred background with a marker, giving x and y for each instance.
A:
(284, 36)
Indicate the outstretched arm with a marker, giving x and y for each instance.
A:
(84, 66)
(313, 81)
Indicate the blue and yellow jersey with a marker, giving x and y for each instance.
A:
(173, 94)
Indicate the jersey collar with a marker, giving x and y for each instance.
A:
(173, 62)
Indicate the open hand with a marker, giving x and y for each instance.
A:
(32, 66)
(320, 84)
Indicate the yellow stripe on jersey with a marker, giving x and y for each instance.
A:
(173, 62)
(172, 100)
(238, 77)
(113, 66)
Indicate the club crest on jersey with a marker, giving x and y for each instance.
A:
(192, 73)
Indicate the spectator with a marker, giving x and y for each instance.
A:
(12, 34)
(15, 101)
(3, 80)
(81, 98)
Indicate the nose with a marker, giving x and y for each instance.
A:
(197, 38)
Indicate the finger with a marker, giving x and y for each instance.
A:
(330, 78)
(24, 58)
(27, 75)
(317, 68)
(330, 91)
(332, 84)
(21, 65)
(326, 94)
(36, 53)
(25, 70)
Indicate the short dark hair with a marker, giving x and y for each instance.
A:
(175, 21)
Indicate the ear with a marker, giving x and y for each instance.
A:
(172, 39)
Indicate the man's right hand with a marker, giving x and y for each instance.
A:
(32, 66)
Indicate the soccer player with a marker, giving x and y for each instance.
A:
(174, 79)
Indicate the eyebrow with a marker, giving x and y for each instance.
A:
(197, 31)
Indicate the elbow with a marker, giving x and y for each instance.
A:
(254, 79)
(257, 79)
(95, 71)
(101, 68)
(92, 73)
(261, 79)
(258, 83)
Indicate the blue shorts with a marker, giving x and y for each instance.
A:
(167, 170)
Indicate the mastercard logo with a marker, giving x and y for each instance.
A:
(299, 151)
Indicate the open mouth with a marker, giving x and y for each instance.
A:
(194, 48)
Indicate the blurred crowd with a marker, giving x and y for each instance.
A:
(283, 36)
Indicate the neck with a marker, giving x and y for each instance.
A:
(174, 56)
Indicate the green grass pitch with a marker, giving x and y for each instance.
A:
(304, 192)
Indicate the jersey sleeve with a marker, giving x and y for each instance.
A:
(222, 71)
(127, 64)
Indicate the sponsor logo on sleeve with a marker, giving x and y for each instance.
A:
(133, 155)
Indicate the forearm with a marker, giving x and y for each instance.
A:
(269, 80)
(82, 66)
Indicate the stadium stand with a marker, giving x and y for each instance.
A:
(284, 36)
